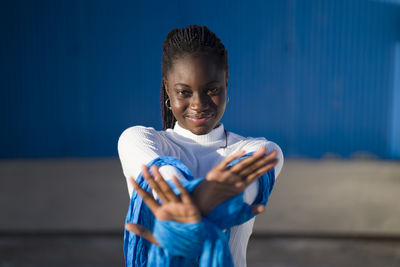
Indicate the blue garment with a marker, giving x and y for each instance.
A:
(194, 244)
(215, 249)
(136, 248)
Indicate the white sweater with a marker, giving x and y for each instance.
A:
(139, 145)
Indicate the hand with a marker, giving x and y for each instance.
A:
(223, 182)
(173, 208)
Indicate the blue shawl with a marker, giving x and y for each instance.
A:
(198, 244)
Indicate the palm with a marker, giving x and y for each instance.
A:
(178, 211)
(172, 208)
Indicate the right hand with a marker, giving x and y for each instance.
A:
(173, 208)
(223, 183)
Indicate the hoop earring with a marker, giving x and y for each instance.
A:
(166, 104)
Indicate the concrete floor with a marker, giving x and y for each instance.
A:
(82, 251)
(286, 251)
(61, 251)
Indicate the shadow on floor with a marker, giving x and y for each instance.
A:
(106, 250)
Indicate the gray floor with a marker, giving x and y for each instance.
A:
(81, 251)
(61, 251)
(280, 252)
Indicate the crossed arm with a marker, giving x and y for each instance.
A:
(221, 183)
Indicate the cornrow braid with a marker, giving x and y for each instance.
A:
(193, 40)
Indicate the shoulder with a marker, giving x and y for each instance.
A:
(139, 134)
(250, 144)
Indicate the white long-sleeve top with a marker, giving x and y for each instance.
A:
(139, 145)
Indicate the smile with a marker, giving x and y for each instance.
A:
(200, 118)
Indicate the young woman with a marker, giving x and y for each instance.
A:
(193, 100)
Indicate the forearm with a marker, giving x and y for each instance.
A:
(204, 194)
(207, 195)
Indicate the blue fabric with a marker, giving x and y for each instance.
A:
(215, 250)
(188, 237)
(207, 246)
(135, 247)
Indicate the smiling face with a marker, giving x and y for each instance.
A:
(196, 87)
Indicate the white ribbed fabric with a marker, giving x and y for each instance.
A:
(139, 145)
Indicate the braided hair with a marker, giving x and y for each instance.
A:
(194, 40)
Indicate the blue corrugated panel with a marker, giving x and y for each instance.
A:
(318, 77)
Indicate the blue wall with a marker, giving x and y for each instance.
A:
(315, 76)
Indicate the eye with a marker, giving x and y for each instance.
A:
(183, 93)
(214, 91)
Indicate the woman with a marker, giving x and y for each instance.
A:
(193, 100)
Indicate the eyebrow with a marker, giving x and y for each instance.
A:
(185, 85)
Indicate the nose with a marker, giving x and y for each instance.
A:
(199, 102)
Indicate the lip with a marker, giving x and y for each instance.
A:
(199, 118)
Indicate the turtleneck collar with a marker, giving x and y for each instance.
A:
(217, 135)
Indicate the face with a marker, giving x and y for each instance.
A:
(196, 87)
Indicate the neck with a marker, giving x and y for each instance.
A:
(215, 136)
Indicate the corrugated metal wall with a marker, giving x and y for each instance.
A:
(315, 76)
(344, 66)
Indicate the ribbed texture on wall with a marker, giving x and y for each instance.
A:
(318, 77)
(343, 63)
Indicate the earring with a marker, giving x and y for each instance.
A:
(166, 104)
(227, 99)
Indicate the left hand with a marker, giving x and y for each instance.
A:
(223, 182)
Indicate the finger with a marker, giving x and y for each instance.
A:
(257, 209)
(260, 172)
(184, 193)
(146, 196)
(142, 232)
(164, 186)
(153, 184)
(258, 164)
(249, 160)
(223, 164)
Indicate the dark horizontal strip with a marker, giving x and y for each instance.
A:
(62, 233)
(328, 235)
(256, 235)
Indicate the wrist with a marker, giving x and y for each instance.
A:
(206, 196)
